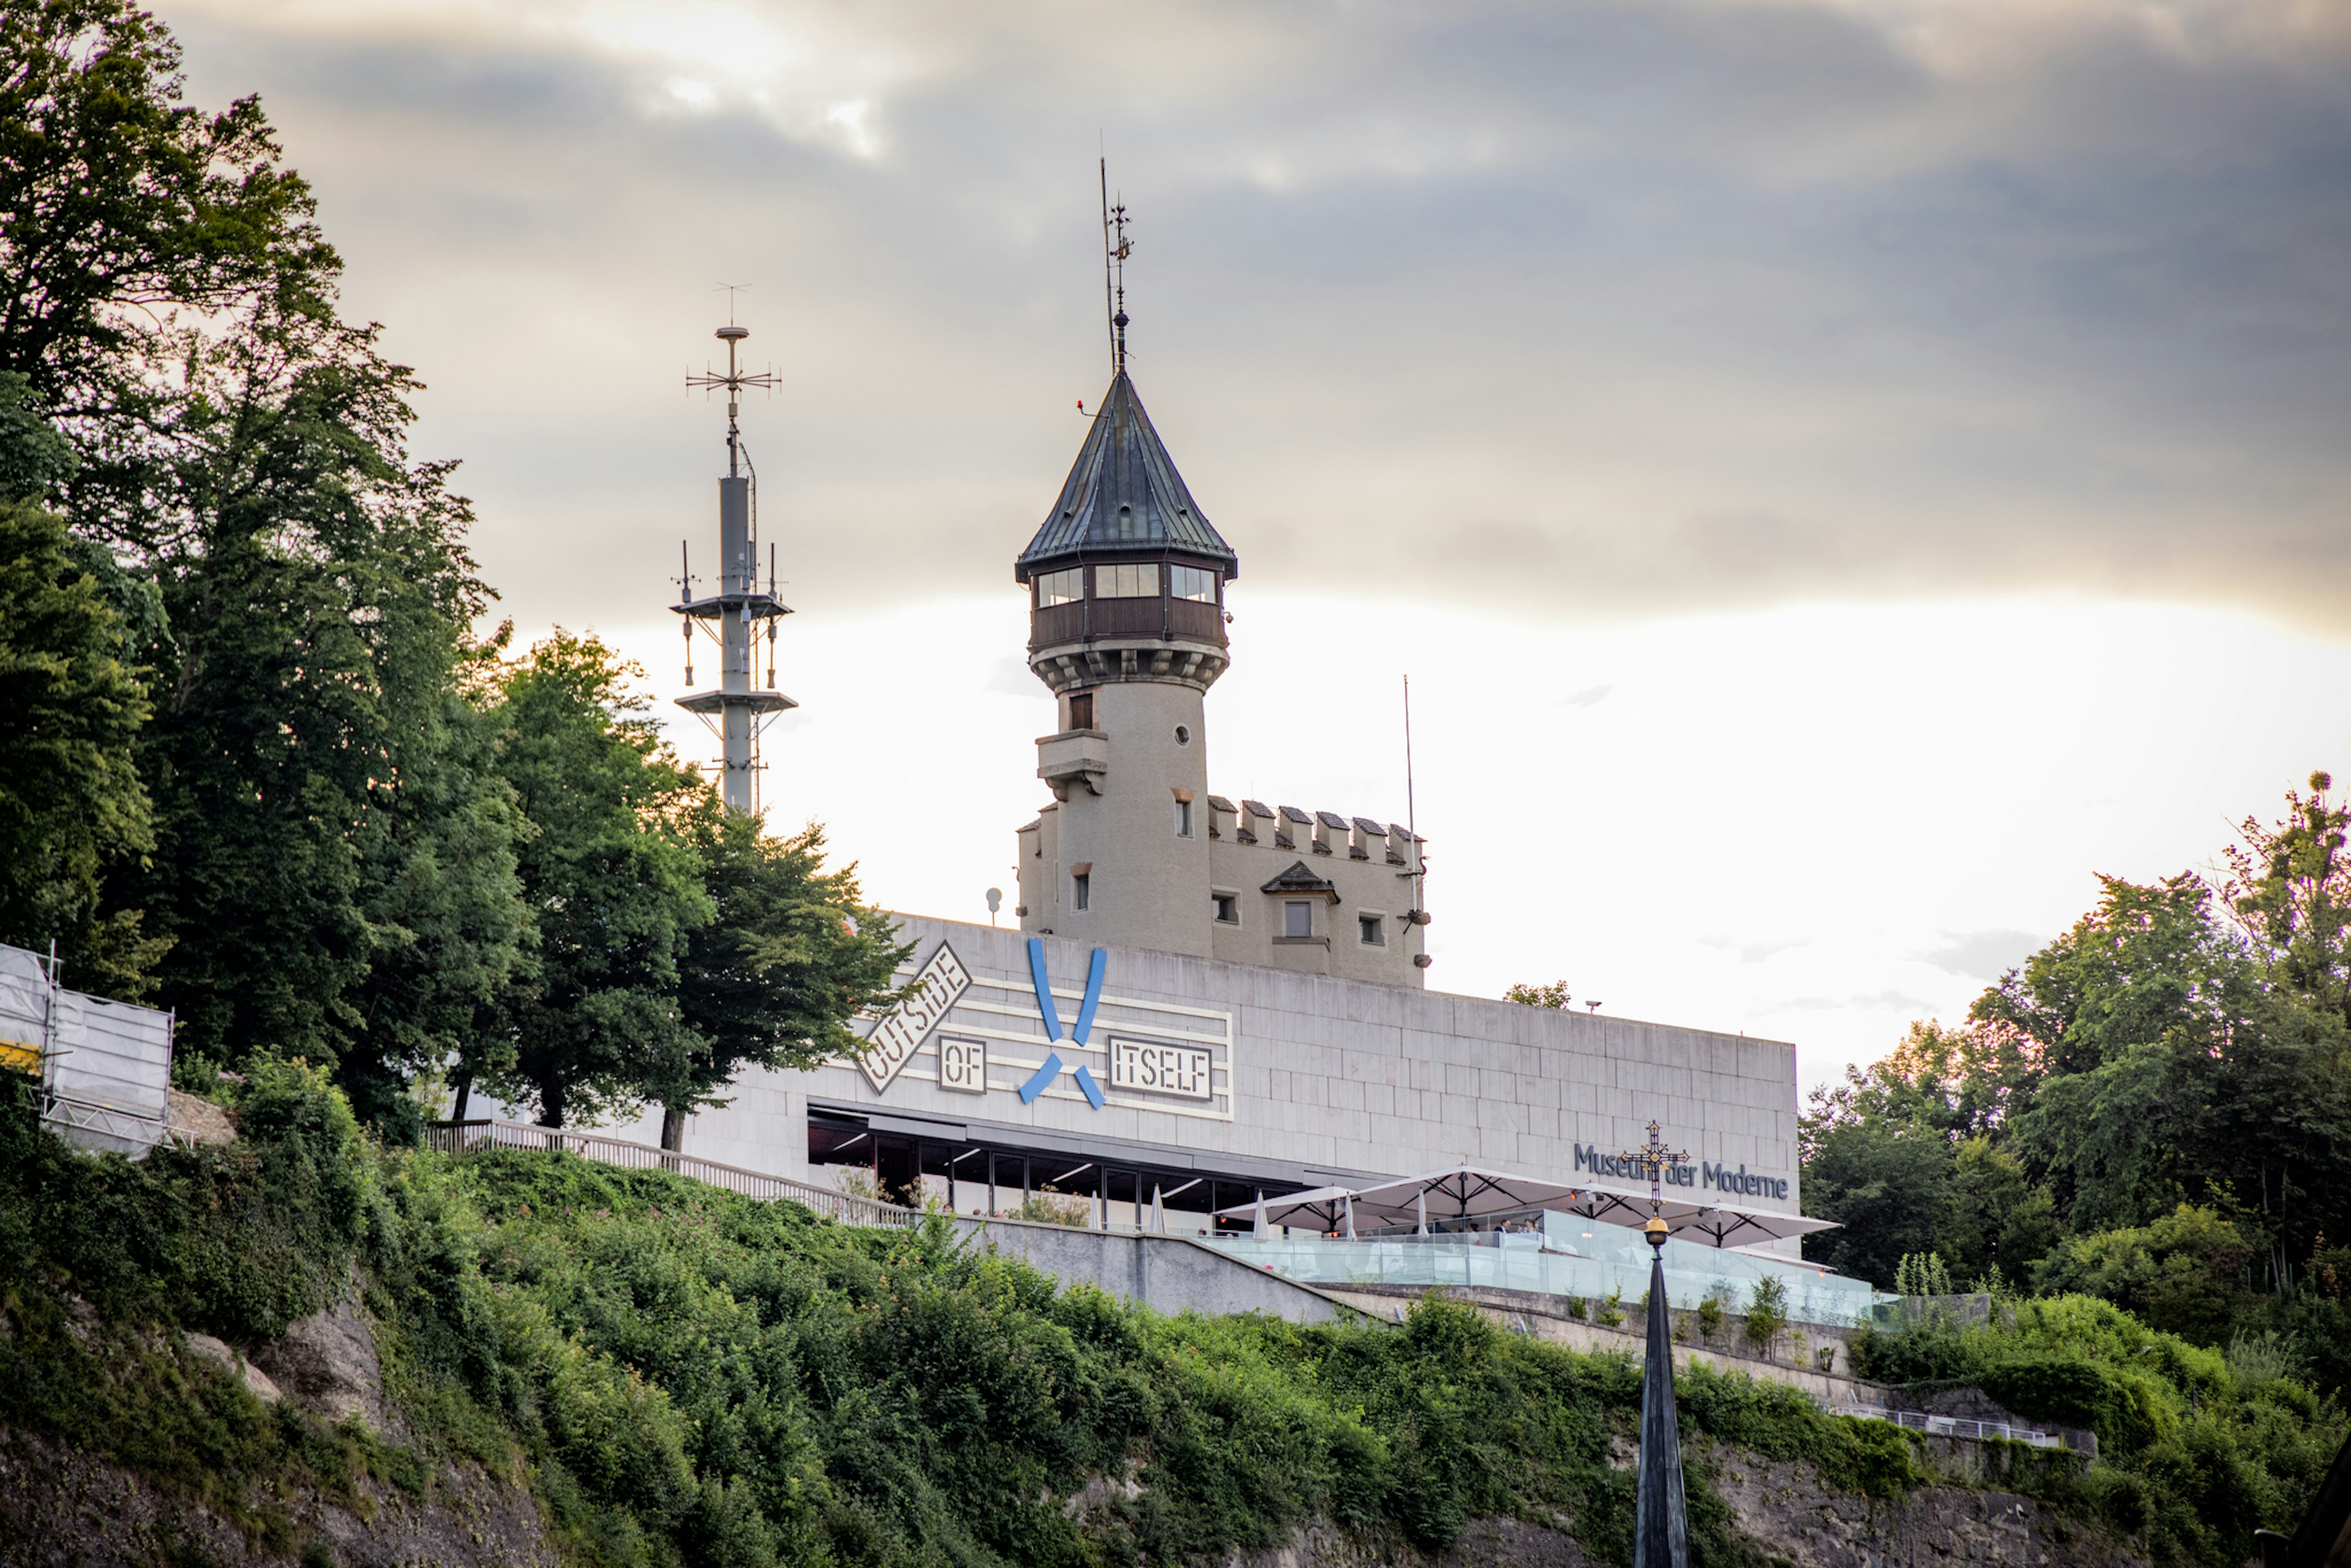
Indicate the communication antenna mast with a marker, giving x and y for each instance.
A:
(735, 712)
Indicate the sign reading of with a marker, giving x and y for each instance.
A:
(899, 1035)
(963, 1065)
(1159, 1068)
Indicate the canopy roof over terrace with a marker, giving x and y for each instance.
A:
(1472, 1192)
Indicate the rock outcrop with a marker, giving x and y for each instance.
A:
(61, 1508)
(328, 1363)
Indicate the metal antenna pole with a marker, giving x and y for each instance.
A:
(1109, 312)
(735, 711)
(1411, 808)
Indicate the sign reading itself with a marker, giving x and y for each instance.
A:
(894, 1041)
(1706, 1174)
(1156, 1069)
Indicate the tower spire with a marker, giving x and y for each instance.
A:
(1115, 249)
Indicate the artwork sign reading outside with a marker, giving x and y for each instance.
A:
(1154, 1068)
(896, 1038)
(1042, 1038)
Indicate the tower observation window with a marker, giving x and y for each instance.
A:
(1127, 581)
(1060, 587)
(1192, 582)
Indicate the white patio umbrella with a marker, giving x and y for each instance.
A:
(1324, 1208)
(1461, 1192)
(1714, 1224)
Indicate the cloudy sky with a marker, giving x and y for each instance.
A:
(1839, 473)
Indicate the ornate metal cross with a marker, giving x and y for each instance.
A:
(1654, 1157)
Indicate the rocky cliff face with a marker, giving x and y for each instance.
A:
(1792, 1521)
(61, 1508)
(1785, 1509)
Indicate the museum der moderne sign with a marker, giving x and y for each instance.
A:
(1704, 1175)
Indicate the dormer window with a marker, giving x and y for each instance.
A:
(1060, 587)
(1192, 582)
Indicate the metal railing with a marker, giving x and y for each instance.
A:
(106, 1126)
(1957, 1426)
(466, 1137)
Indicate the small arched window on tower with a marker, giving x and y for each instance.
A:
(1125, 522)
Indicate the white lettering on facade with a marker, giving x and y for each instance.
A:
(898, 1036)
(963, 1065)
(1157, 1069)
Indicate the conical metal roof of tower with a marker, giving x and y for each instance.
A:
(1123, 494)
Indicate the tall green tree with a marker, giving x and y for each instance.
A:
(611, 874)
(326, 867)
(73, 811)
(2289, 887)
(792, 952)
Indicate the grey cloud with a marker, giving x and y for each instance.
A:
(1599, 309)
(1899, 1000)
(1985, 954)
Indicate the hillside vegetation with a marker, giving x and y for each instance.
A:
(688, 1376)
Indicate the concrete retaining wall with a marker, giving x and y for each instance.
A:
(1542, 1316)
(1168, 1274)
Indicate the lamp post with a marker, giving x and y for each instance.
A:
(1661, 1515)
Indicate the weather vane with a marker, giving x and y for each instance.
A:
(1116, 247)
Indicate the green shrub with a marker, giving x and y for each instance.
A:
(691, 1377)
(1767, 1311)
(1709, 1313)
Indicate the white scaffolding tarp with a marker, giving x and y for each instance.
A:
(106, 1067)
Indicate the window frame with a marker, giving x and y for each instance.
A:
(1081, 892)
(1298, 906)
(1182, 819)
(1371, 929)
(1224, 908)
(1045, 583)
(1214, 579)
(1109, 571)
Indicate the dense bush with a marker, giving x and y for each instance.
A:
(690, 1377)
(2195, 1451)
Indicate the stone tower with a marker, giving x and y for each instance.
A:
(1126, 583)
